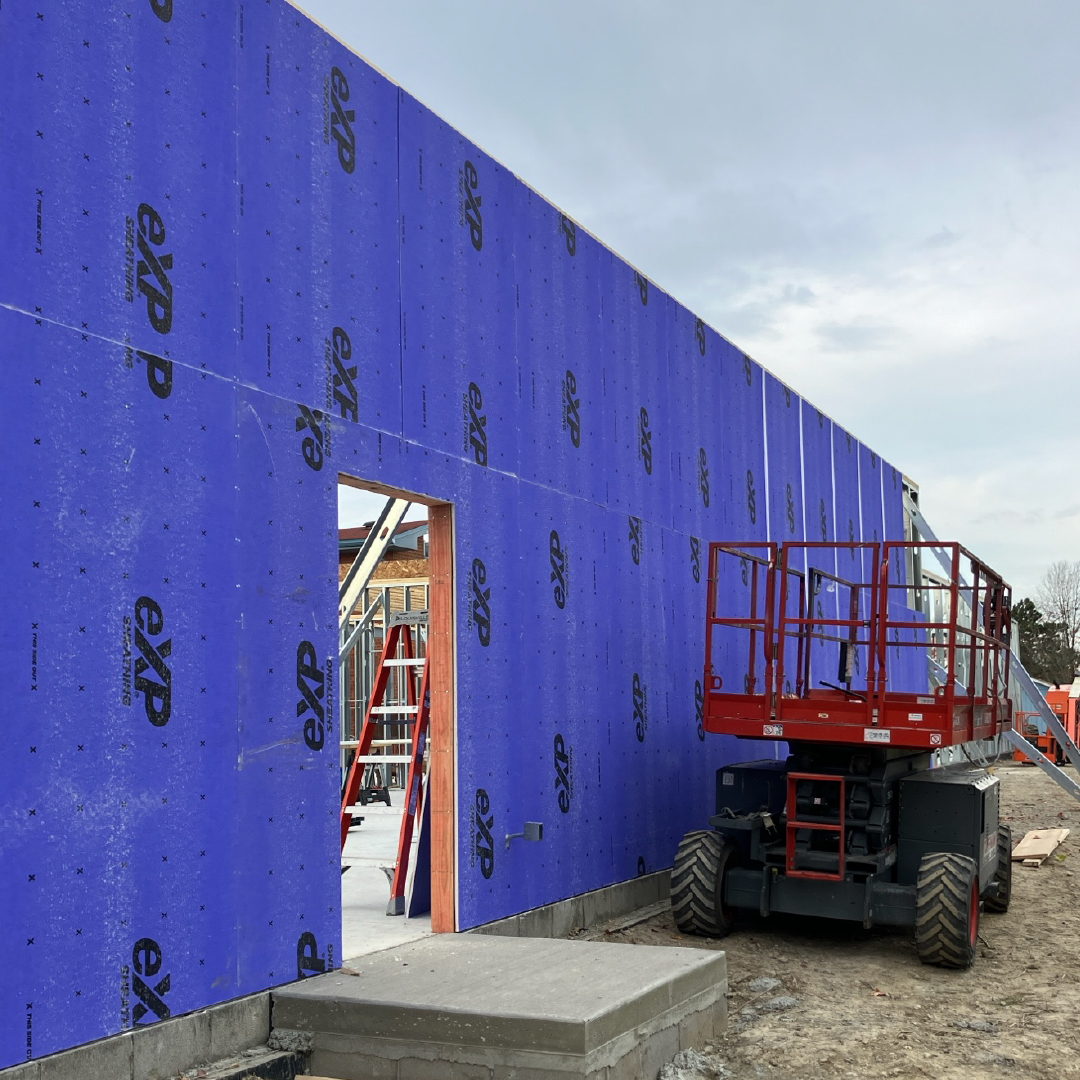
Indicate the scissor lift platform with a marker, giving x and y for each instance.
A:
(798, 651)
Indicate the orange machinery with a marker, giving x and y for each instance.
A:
(1064, 700)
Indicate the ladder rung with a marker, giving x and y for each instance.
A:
(352, 744)
(382, 709)
(416, 661)
(385, 759)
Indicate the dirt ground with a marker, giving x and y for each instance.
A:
(814, 998)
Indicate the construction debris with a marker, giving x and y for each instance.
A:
(1037, 846)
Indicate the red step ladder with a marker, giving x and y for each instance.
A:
(399, 651)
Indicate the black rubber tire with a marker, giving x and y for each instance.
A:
(997, 899)
(947, 910)
(697, 878)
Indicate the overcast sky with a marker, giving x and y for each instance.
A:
(879, 201)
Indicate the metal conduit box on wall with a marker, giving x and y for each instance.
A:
(236, 261)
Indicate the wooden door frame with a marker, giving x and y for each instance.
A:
(442, 752)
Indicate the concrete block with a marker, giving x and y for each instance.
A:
(535, 923)
(526, 1072)
(239, 1025)
(501, 928)
(164, 1049)
(697, 1029)
(562, 918)
(657, 1051)
(577, 912)
(596, 906)
(31, 1070)
(351, 1066)
(663, 885)
(720, 1011)
(628, 1067)
(421, 1069)
(109, 1057)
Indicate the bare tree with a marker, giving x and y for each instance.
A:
(1058, 598)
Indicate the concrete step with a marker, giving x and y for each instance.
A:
(262, 1062)
(470, 1007)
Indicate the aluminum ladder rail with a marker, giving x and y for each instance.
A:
(1023, 679)
(368, 559)
(352, 590)
(1052, 722)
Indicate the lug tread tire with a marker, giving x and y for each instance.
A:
(698, 862)
(943, 910)
(997, 900)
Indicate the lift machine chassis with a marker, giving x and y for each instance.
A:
(863, 679)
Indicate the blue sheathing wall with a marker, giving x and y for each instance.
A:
(237, 261)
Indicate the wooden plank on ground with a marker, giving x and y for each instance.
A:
(1038, 845)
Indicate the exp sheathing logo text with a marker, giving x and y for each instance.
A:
(314, 685)
(640, 695)
(341, 392)
(308, 960)
(571, 409)
(559, 568)
(338, 120)
(474, 425)
(141, 978)
(564, 772)
(341, 375)
(148, 274)
(469, 203)
(482, 849)
(153, 674)
(480, 602)
(315, 445)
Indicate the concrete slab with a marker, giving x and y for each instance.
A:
(365, 926)
(473, 1006)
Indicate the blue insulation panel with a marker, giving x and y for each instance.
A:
(892, 504)
(558, 270)
(236, 262)
(634, 341)
(700, 478)
(870, 504)
(783, 416)
(846, 500)
(119, 187)
(741, 414)
(460, 381)
(817, 453)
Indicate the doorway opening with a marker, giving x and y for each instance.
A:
(395, 569)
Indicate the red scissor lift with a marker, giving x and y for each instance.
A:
(828, 648)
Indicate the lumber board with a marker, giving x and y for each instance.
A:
(1038, 845)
